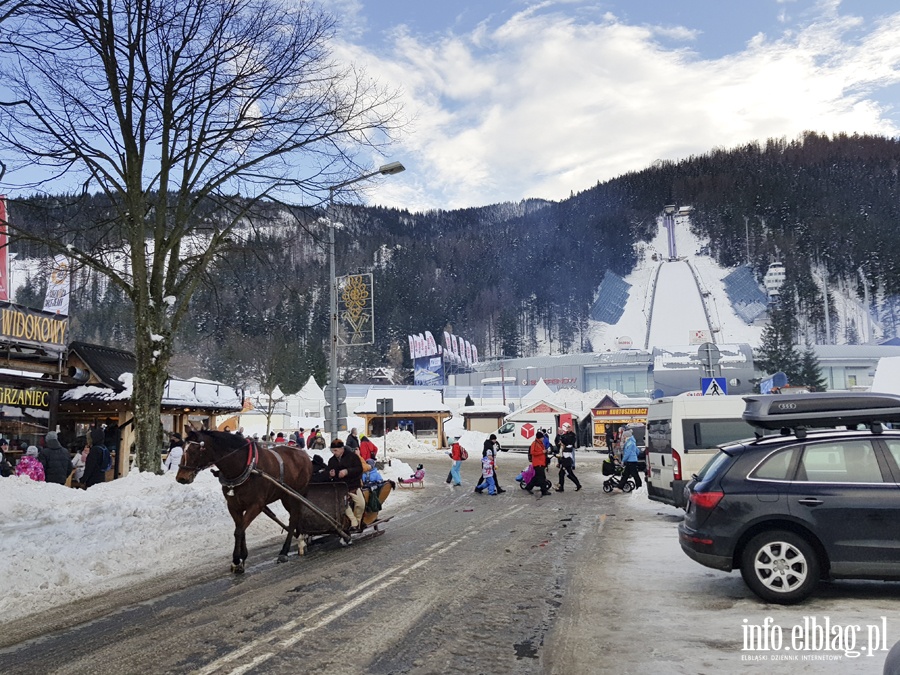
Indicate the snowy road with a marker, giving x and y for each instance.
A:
(574, 583)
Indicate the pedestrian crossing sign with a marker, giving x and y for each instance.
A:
(713, 386)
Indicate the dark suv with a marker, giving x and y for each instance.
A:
(789, 510)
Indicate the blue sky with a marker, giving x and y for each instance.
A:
(518, 98)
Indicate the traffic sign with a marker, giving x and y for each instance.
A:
(714, 386)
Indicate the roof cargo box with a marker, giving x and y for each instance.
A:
(821, 410)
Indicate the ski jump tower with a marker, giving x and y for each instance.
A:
(669, 223)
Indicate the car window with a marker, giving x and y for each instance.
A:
(704, 434)
(839, 462)
(894, 448)
(776, 466)
(711, 468)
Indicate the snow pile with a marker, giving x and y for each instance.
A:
(64, 544)
(403, 442)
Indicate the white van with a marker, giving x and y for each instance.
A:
(519, 428)
(682, 434)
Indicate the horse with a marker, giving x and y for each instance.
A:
(248, 494)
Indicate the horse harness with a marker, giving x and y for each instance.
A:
(249, 469)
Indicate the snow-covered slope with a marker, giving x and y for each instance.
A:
(668, 298)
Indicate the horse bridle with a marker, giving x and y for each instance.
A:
(195, 469)
(252, 455)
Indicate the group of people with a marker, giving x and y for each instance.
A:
(352, 463)
(52, 463)
(540, 453)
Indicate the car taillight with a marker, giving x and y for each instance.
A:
(676, 465)
(706, 500)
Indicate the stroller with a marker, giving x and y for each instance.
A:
(615, 470)
(526, 475)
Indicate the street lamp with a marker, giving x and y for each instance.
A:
(384, 170)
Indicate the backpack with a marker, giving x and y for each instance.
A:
(107, 459)
(462, 453)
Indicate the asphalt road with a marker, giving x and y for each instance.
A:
(572, 583)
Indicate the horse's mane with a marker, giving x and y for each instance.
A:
(225, 438)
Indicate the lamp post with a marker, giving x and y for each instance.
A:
(384, 170)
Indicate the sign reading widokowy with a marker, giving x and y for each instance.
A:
(27, 326)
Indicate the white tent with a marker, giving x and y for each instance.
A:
(541, 392)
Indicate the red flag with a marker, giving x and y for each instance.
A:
(4, 252)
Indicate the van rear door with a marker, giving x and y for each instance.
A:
(659, 459)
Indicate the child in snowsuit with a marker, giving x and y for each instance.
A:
(487, 473)
(417, 477)
(30, 465)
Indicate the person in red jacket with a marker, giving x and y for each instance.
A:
(537, 455)
(367, 449)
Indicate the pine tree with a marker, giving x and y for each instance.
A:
(777, 351)
(811, 372)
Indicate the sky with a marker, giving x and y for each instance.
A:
(515, 99)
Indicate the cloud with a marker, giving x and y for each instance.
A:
(549, 103)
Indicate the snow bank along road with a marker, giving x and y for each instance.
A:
(460, 583)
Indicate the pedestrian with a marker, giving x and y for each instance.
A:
(610, 438)
(6, 469)
(487, 475)
(345, 467)
(491, 447)
(300, 438)
(318, 442)
(352, 441)
(456, 456)
(93, 466)
(311, 437)
(630, 459)
(564, 461)
(176, 450)
(367, 449)
(55, 460)
(537, 455)
(79, 461)
(30, 466)
(280, 439)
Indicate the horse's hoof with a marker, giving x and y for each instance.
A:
(301, 548)
(347, 541)
(282, 558)
(237, 569)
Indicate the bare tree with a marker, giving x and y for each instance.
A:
(185, 115)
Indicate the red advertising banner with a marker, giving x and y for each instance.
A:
(4, 252)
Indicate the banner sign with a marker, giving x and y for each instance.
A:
(57, 299)
(429, 371)
(28, 326)
(619, 412)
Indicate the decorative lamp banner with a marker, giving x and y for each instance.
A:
(58, 287)
(28, 326)
(356, 310)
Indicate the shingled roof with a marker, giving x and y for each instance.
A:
(105, 363)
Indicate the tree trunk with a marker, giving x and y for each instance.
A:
(149, 382)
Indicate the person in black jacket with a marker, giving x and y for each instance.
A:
(93, 466)
(55, 459)
(352, 441)
(346, 467)
(565, 449)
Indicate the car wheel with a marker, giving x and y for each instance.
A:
(780, 567)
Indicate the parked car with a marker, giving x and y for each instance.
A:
(792, 509)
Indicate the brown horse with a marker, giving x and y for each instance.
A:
(247, 493)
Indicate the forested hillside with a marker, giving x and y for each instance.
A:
(510, 276)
